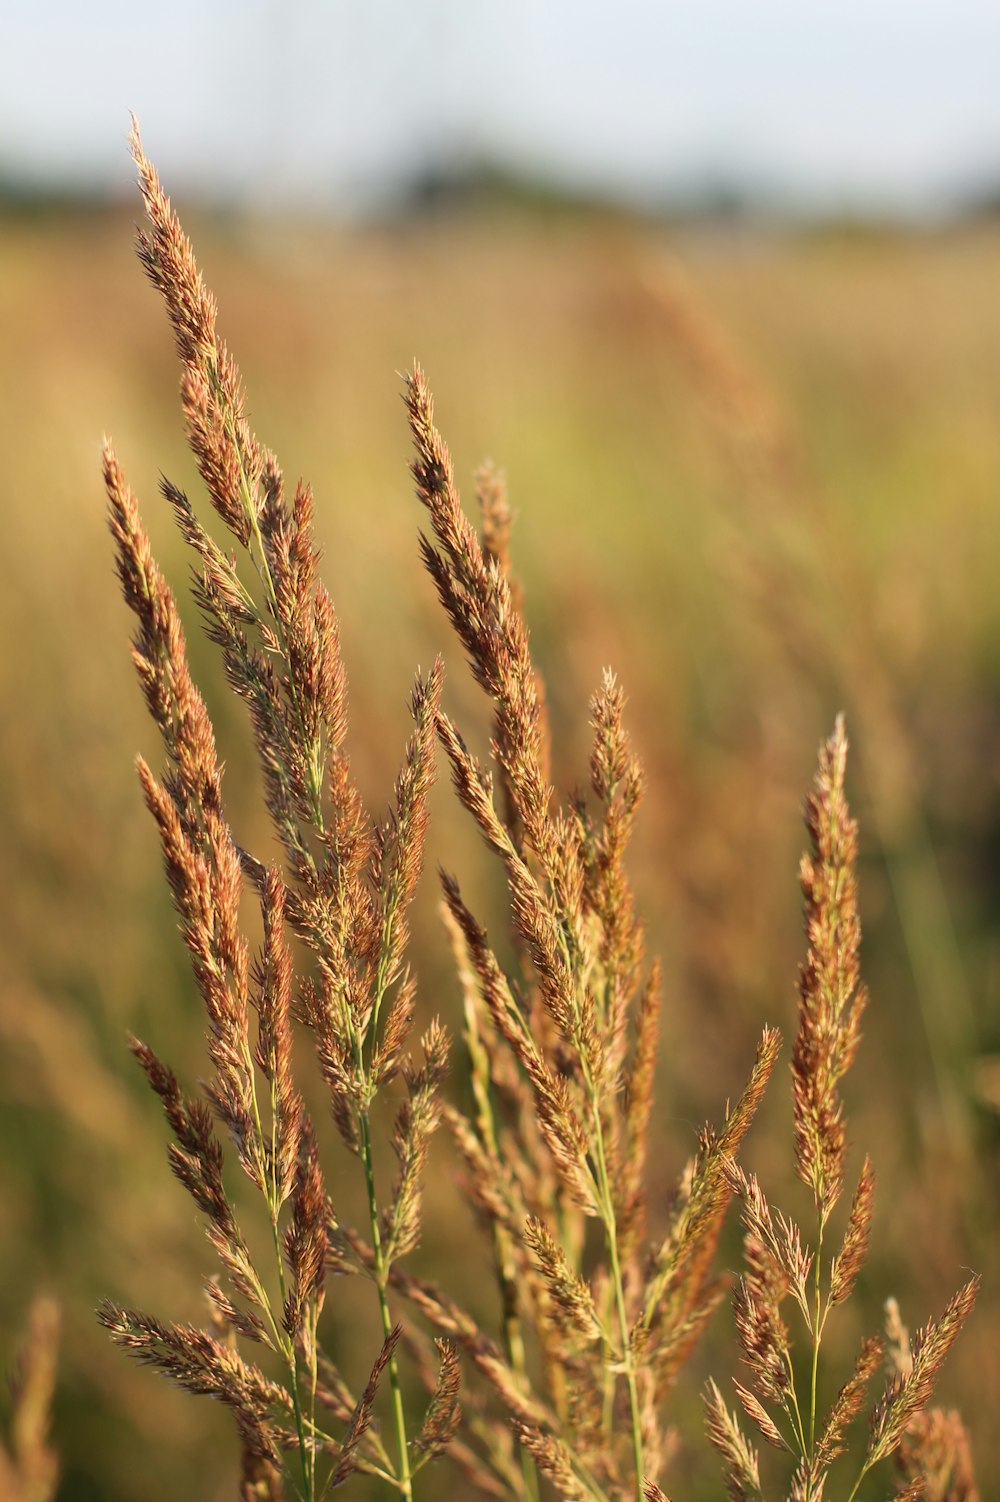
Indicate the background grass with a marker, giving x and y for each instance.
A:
(758, 475)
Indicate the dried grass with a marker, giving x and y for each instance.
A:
(598, 1313)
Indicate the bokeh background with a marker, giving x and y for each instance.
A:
(717, 285)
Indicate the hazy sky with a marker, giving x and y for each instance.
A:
(895, 102)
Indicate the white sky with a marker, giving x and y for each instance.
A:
(840, 100)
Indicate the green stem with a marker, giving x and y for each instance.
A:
(306, 1450)
(796, 1412)
(854, 1489)
(628, 1360)
(817, 1330)
(285, 1344)
(404, 1479)
(503, 1250)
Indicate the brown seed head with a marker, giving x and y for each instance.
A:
(830, 1000)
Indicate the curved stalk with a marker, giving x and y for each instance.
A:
(404, 1479)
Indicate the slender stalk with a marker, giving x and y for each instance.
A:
(609, 1219)
(404, 1479)
(306, 1451)
(817, 1330)
(796, 1411)
(854, 1489)
(628, 1360)
(503, 1251)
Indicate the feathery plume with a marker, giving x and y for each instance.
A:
(906, 1393)
(830, 999)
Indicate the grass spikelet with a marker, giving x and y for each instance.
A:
(555, 1461)
(273, 1054)
(362, 1416)
(201, 1364)
(570, 1296)
(444, 1412)
(907, 1392)
(853, 1253)
(849, 1402)
(934, 1451)
(477, 597)
(739, 1456)
(831, 1002)
(758, 1414)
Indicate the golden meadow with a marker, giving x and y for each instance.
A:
(756, 476)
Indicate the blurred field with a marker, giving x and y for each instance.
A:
(759, 476)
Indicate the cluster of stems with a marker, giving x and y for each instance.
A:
(602, 1296)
